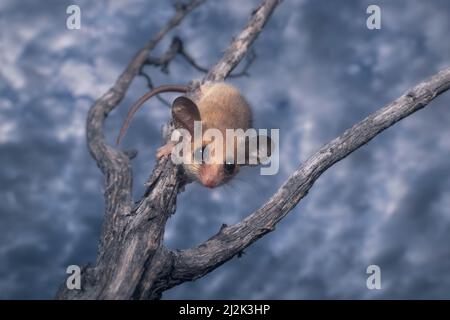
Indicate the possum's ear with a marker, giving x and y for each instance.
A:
(185, 112)
(258, 149)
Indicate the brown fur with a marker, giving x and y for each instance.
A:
(221, 107)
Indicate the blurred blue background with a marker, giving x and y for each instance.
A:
(319, 70)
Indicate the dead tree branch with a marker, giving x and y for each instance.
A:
(133, 262)
(115, 166)
(240, 45)
(177, 48)
(231, 240)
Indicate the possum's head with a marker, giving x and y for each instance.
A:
(214, 161)
(211, 171)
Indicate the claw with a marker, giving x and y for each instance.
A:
(165, 150)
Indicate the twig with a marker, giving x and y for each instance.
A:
(176, 47)
(251, 57)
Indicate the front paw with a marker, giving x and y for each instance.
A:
(165, 150)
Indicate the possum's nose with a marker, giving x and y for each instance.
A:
(210, 175)
(210, 183)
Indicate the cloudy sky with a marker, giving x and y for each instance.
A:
(319, 70)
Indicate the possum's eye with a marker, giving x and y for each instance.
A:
(229, 167)
(200, 154)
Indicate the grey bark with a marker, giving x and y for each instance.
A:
(133, 262)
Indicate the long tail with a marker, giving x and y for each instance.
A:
(140, 102)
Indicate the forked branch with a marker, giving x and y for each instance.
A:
(133, 262)
(231, 240)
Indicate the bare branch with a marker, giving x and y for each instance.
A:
(176, 47)
(251, 57)
(115, 166)
(231, 240)
(138, 265)
(113, 163)
(164, 181)
(132, 262)
(244, 72)
(103, 106)
(192, 61)
(240, 45)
